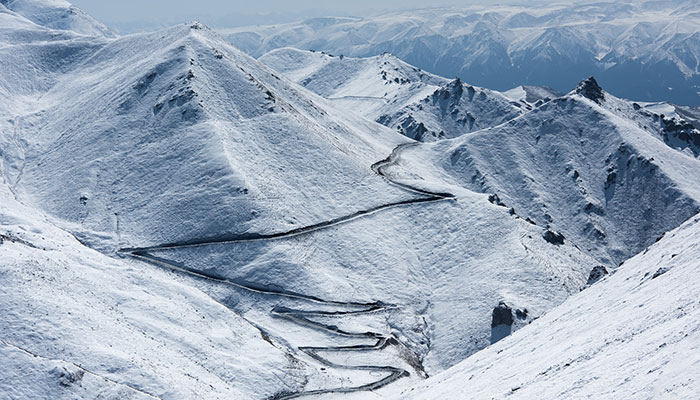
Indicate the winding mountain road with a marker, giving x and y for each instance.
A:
(303, 317)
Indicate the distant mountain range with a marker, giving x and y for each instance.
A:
(645, 51)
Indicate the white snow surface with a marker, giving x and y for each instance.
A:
(611, 176)
(176, 136)
(417, 104)
(57, 15)
(176, 139)
(531, 94)
(158, 111)
(79, 324)
(633, 335)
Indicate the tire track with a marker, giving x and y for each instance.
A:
(359, 98)
(303, 317)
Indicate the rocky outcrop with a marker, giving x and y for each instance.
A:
(554, 238)
(501, 322)
(591, 90)
(596, 274)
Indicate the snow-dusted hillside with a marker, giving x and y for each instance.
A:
(642, 50)
(57, 15)
(273, 217)
(609, 174)
(179, 220)
(181, 126)
(633, 335)
(417, 104)
(79, 324)
(531, 96)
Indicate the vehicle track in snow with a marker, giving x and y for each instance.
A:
(303, 317)
(385, 100)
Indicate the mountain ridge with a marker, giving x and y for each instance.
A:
(626, 45)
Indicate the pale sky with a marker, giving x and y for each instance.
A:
(132, 15)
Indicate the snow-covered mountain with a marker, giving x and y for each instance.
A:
(180, 220)
(634, 334)
(158, 110)
(81, 324)
(642, 50)
(609, 174)
(57, 15)
(417, 104)
(606, 222)
(231, 190)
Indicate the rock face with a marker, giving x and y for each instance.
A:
(596, 274)
(501, 322)
(502, 315)
(591, 90)
(553, 237)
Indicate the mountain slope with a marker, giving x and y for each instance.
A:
(57, 15)
(205, 122)
(173, 151)
(632, 335)
(79, 324)
(415, 103)
(255, 239)
(607, 173)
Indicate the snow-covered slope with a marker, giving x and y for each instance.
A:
(267, 205)
(607, 173)
(56, 14)
(180, 117)
(634, 334)
(417, 104)
(79, 324)
(670, 112)
(645, 50)
(531, 96)
(179, 220)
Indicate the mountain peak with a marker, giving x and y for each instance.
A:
(590, 89)
(58, 15)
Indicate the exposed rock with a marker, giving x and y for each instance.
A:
(502, 315)
(659, 272)
(591, 90)
(554, 238)
(494, 199)
(66, 377)
(596, 274)
(501, 322)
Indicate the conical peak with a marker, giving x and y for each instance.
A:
(590, 89)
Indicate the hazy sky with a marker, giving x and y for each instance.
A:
(130, 15)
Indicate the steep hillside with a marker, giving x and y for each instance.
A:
(415, 103)
(175, 118)
(192, 164)
(634, 334)
(79, 324)
(179, 220)
(607, 173)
